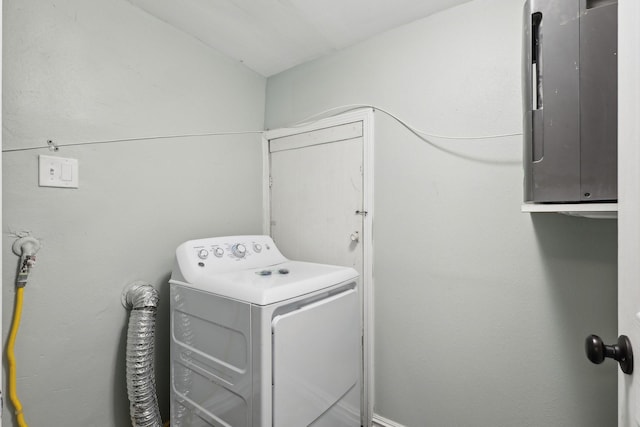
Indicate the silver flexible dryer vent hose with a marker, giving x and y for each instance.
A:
(142, 299)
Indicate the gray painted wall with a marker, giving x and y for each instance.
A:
(481, 310)
(77, 71)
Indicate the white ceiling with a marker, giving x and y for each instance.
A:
(270, 36)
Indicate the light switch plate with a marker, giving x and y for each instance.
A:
(58, 172)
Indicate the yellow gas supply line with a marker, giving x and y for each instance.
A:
(13, 395)
(25, 247)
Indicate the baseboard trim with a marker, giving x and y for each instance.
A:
(379, 421)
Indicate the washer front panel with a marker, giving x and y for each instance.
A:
(316, 360)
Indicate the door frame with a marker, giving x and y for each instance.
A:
(366, 116)
(1, 115)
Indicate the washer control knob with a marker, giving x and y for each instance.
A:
(203, 254)
(239, 250)
(218, 252)
(257, 247)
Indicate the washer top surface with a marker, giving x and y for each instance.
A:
(251, 269)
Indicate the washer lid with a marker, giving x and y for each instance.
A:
(268, 285)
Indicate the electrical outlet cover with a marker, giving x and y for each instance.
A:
(58, 172)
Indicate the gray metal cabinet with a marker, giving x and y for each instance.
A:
(570, 100)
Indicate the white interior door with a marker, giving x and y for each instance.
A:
(318, 205)
(629, 204)
(316, 192)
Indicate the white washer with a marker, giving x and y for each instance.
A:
(261, 341)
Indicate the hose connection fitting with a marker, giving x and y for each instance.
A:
(27, 262)
(26, 248)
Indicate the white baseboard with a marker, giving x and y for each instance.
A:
(379, 421)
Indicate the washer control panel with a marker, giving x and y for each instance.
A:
(223, 254)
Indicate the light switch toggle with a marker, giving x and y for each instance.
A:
(58, 172)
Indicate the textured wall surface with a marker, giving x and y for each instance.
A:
(79, 71)
(481, 310)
